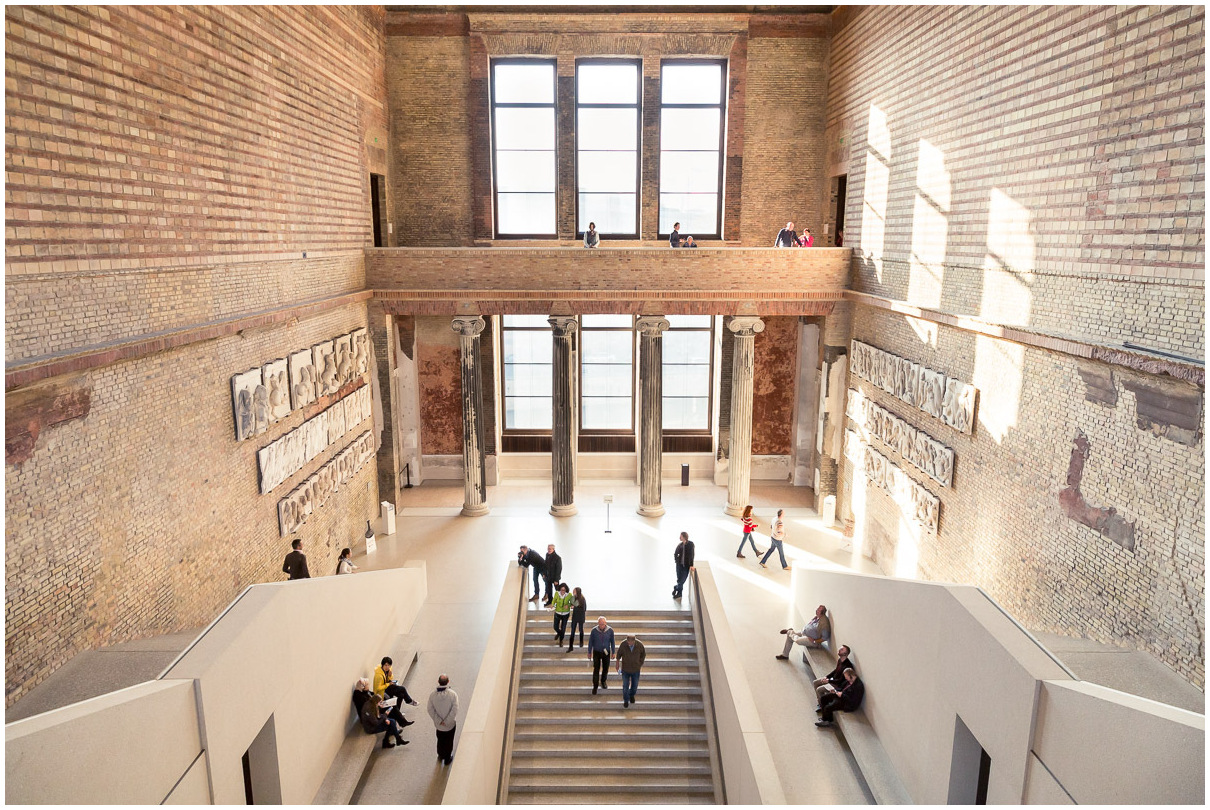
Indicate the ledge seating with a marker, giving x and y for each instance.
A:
(872, 759)
(350, 762)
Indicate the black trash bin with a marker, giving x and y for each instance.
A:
(684, 475)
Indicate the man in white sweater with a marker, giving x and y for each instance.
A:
(443, 708)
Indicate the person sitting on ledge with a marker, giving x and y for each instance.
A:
(369, 709)
(815, 633)
(591, 237)
(847, 699)
(689, 242)
(834, 681)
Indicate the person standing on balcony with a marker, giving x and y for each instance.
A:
(683, 556)
(579, 607)
(786, 237)
(674, 238)
(806, 240)
(631, 655)
(591, 237)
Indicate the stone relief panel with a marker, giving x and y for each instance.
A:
(945, 398)
(277, 381)
(344, 359)
(324, 357)
(294, 509)
(302, 378)
(284, 457)
(916, 447)
(915, 502)
(244, 388)
(361, 351)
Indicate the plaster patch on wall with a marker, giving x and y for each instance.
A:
(1103, 519)
(27, 413)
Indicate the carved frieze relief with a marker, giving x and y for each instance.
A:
(284, 457)
(915, 502)
(916, 447)
(945, 398)
(294, 509)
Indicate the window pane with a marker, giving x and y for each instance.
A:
(607, 347)
(527, 213)
(623, 321)
(688, 171)
(612, 171)
(690, 129)
(525, 379)
(687, 381)
(527, 412)
(608, 84)
(686, 347)
(600, 380)
(527, 347)
(685, 413)
(691, 84)
(609, 129)
(526, 128)
(688, 321)
(525, 84)
(607, 413)
(527, 171)
(613, 213)
(697, 213)
(539, 321)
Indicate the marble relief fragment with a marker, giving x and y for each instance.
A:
(277, 380)
(243, 393)
(302, 378)
(958, 407)
(911, 384)
(344, 359)
(932, 387)
(323, 355)
(361, 351)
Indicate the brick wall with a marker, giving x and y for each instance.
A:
(171, 171)
(775, 358)
(439, 375)
(1040, 167)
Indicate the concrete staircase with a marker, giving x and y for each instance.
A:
(572, 747)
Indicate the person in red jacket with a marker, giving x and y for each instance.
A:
(806, 240)
(750, 525)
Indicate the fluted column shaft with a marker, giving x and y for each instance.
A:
(651, 425)
(739, 466)
(563, 417)
(474, 501)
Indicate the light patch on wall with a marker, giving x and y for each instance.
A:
(1009, 264)
(877, 186)
(907, 550)
(857, 503)
(930, 227)
(998, 372)
(925, 330)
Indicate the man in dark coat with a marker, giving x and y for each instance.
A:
(786, 237)
(528, 558)
(846, 700)
(554, 572)
(834, 681)
(684, 563)
(296, 562)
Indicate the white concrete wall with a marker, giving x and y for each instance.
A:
(293, 651)
(749, 773)
(929, 653)
(127, 747)
(479, 755)
(1107, 747)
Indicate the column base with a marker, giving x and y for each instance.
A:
(475, 511)
(733, 510)
(653, 510)
(564, 511)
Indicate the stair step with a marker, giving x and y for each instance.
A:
(609, 736)
(530, 797)
(594, 755)
(530, 677)
(569, 769)
(632, 719)
(664, 784)
(657, 690)
(593, 703)
(551, 648)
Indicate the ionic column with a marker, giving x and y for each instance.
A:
(563, 418)
(739, 467)
(469, 327)
(651, 424)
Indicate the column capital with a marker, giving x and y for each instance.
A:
(651, 325)
(467, 325)
(563, 325)
(746, 325)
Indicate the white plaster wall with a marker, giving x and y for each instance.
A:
(293, 650)
(806, 405)
(1108, 747)
(929, 653)
(126, 747)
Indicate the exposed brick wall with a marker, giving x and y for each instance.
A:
(439, 375)
(1003, 525)
(144, 517)
(1040, 167)
(775, 360)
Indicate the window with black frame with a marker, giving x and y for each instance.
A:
(608, 120)
(688, 382)
(692, 126)
(524, 171)
(527, 358)
(607, 373)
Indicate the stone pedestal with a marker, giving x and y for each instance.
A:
(469, 327)
(651, 421)
(563, 418)
(739, 466)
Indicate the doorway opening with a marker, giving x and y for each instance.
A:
(378, 193)
(262, 780)
(970, 768)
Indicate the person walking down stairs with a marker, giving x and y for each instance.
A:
(600, 649)
(631, 655)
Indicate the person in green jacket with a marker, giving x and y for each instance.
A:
(562, 605)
